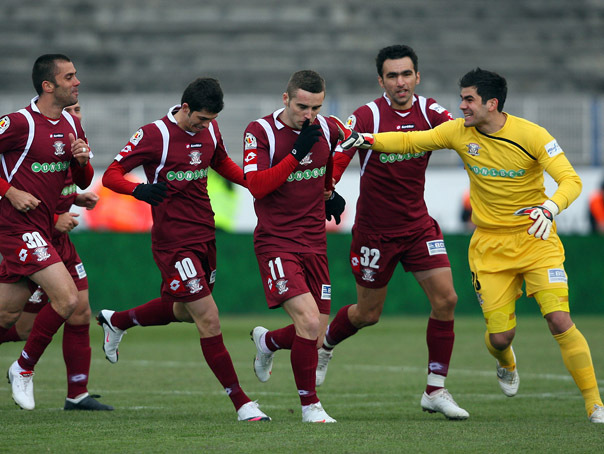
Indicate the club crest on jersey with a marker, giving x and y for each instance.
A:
(58, 146)
(194, 285)
(36, 297)
(368, 274)
(136, 137)
(4, 124)
(41, 253)
(281, 285)
(250, 141)
(473, 149)
(195, 158)
(306, 160)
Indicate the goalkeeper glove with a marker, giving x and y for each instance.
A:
(542, 216)
(309, 135)
(153, 193)
(334, 206)
(351, 138)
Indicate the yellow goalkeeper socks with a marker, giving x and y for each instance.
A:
(577, 359)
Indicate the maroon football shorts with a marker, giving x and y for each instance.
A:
(25, 253)
(373, 258)
(285, 275)
(72, 261)
(188, 272)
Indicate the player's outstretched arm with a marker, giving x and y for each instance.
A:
(351, 138)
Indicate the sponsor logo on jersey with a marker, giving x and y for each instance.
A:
(80, 270)
(188, 175)
(436, 247)
(249, 157)
(351, 122)
(281, 285)
(391, 158)
(306, 174)
(136, 137)
(557, 275)
(195, 145)
(70, 189)
(485, 172)
(195, 158)
(405, 127)
(250, 142)
(368, 274)
(58, 146)
(4, 124)
(473, 149)
(41, 253)
(437, 108)
(46, 167)
(553, 148)
(57, 135)
(194, 285)
(325, 292)
(36, 297)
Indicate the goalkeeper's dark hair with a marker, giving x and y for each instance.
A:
(307, 80)
(488, 85)
(204, 93)
(45, 69)
(394, 53)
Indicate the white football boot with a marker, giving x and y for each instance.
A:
(22, 385)
(324, 358)
(441, 401)
(251, 412)
(113, 336)
(508, 380)
(315, 413)
(263, 362)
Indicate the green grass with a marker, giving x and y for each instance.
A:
(167, 399)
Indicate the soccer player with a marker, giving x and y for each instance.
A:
(393, 226)
(515, 238)
(287, 166)
(76, 331)
(176, 153)
(38, 145)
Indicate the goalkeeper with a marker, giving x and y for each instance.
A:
(515, 238)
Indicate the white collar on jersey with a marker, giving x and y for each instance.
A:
(278, 123)
(173, 120)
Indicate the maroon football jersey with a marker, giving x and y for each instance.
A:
(35, 154)
(391, 199)
(181, 159)
(291, 218)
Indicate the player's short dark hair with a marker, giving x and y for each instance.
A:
(45, 68)
(307, 80)
(204, 93)
(488, 85)
(394, 53)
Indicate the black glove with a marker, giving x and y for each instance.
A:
(334, 207)
(152, 193)
(309, 135)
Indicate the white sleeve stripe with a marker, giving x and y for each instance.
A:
(271, 138)
(422, 106)
(165, 144)
(30, 139)
(325, 128)
(376, 127)
(213, 134)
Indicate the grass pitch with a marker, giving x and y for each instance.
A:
(167, 399)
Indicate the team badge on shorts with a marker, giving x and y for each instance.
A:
(281, 285)
(41, 253)
(436, 247)
(194, 285)
(557, 275)
(368, 274)
(36, 297)
(326, 292)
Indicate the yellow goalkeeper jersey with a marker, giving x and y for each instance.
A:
(505, 168)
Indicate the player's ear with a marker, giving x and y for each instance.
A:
(285, 99)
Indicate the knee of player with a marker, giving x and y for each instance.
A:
(444, 304)
(503, 340)
(8, 319)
